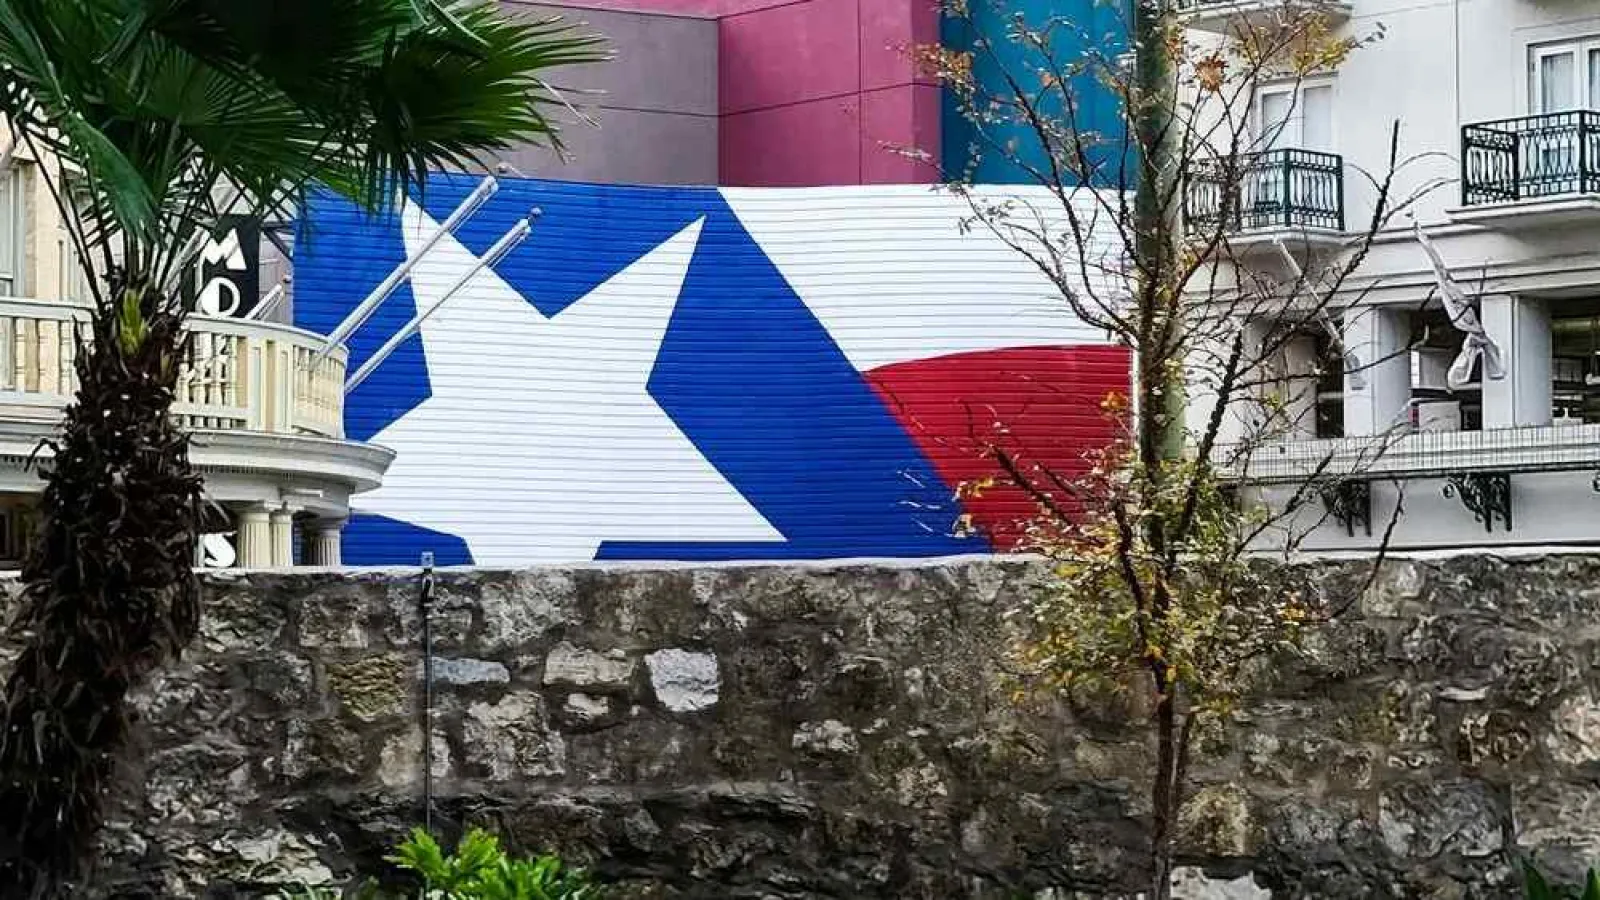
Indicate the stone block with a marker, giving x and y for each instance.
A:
(584, 710)
(1573, 737)
(244, 613)
(1421, 820)
(1191, 883)
(337, 616)
(522, 609)
(327, 750)
(827, 738)
(588, 670)
(512, 739)
(400, 761)
(461, 672)
(269, 857)
(1217, 821)
(684, 681)
(373, 687)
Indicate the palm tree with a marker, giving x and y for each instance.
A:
(149, 118)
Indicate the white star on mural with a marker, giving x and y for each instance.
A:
(540, 440)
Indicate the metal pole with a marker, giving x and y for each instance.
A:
(365, 309)
(1288, 198)
(427, 691)
(506, 244)
(269, 302)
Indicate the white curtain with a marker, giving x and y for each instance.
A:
(1558, 82)
(1316, 117)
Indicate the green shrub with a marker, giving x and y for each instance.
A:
(1536, 887)
(480, 870)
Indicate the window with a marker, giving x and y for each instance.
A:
(1564, 77)
(1297, 115)
(1291, 116)
(73, 271)
(1435, 344)
(74, 283)
(12, 228)
(1575, 360)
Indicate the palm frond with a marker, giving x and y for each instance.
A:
(146, 116)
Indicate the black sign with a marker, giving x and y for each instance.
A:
(227, 270)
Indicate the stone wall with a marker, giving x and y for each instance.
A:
(847, 732)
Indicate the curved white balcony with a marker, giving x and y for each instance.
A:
(267, 426)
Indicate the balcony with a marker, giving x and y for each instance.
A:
(266, 423)
(1483, 472)
(1531, 172)
(1554, 448)
(1230, 16)
(1290, 197)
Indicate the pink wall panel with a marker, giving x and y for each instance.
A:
(801, 144)
(892, 120)
(827, 50)
(810, 91)
(789, 54)
(705, 8)
(890, 31)
(735, 7)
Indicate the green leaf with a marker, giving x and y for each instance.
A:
(421, 854)
(1534, 886)
(161, 102)
(131, 326)
(481, 870)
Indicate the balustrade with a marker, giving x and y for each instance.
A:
(237, 375)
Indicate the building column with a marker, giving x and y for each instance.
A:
(1521, 328)
(283, 537)
(1297, 387)
(255, 536)
(1245, 414)
(1377, 395)
(323, 540)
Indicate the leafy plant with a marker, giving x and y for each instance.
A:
(1157, 590)
(1536, 887)
(480, 870)
(146, 122)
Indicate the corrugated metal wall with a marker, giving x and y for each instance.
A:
(705, 374)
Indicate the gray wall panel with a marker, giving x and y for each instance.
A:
(655, 101)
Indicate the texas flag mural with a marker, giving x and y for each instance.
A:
(700, 373)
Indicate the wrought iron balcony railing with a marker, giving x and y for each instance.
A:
(1530, 157)
(1274, 189)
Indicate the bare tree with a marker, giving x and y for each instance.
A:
(1218, 253)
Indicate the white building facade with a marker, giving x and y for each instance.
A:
(264, 405)
(1498, 106)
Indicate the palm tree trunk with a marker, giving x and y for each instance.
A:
(109, 591)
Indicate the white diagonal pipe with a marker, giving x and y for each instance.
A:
(269, 302)
(365, 309)
(507, 242)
